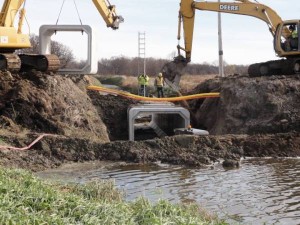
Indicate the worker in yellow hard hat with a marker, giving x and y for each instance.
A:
(159, 84)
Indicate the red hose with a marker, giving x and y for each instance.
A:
(27, 147)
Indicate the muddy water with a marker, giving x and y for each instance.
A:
(260, 191)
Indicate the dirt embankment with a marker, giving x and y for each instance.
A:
(249, 105)
(263, 113)
(46, 103)
(186, 150)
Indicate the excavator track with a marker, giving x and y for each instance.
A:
(44, 63)
(26, 62)
(288, 66)
(10, 62)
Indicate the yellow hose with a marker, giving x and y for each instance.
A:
(142, 98)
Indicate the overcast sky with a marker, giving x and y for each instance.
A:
(245, 39)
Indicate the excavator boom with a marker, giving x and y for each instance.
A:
(279, 29)
(9, 11)
(108, 13)
(242, 7)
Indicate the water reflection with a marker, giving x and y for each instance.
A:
(261, 191)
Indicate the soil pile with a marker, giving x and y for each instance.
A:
(249, 105)
(46, 103)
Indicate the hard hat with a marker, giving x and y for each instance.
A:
(160, 74)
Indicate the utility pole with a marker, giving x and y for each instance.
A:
(221, 65)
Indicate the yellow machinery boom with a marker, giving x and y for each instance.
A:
(108, 13)
(12, 39)
(278, 28)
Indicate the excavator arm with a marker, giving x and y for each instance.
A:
(9, 11)
(108, 13)
(12, 39)
(279, 29)
(10, 8)
(242, 7)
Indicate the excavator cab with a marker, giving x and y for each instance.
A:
(287, 40)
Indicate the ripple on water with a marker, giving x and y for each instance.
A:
(260, 191)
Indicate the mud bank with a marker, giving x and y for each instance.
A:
(255, 117)
(262, 105)
(187, 150)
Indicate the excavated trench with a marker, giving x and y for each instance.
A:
(253, 117)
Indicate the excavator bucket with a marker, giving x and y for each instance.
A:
(172, 71)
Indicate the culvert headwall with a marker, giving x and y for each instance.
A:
(164, 118)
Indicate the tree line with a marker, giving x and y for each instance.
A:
(122, 65)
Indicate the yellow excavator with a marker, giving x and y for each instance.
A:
(12, 39)
(285, 33)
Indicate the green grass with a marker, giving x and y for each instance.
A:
(25, 199)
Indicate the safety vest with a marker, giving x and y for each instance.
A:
(143, 80)
(159, 81)
(294, 34)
